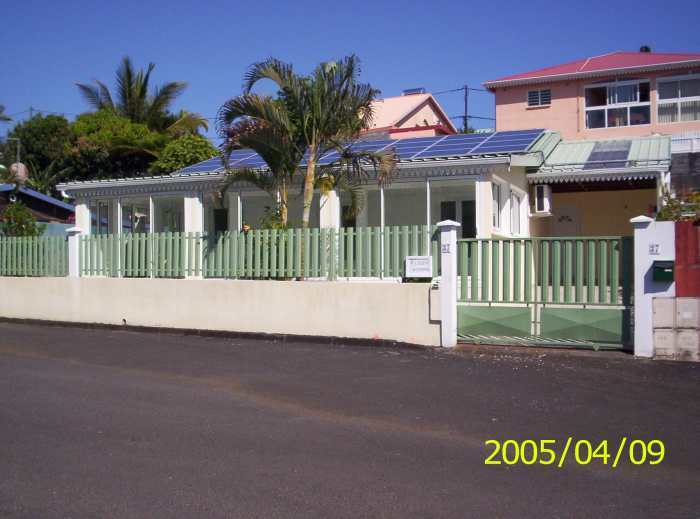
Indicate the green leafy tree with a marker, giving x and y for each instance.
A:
(107, 145)
(43, 140)
(685, 206)
(18, 220)
(132, 99)
(182, 152)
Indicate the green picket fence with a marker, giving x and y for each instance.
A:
(592, 270)
(259, 254)
(33, 256)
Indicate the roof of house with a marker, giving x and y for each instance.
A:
(437, 151)
(610, 159)
(390, 112)
(614, 62)
(36, 194)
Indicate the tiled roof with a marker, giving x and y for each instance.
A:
(598, 65)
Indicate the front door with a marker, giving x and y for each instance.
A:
(468, 220)
(463, 212)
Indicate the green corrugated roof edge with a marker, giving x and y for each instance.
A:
(538, 150)
(652, 150)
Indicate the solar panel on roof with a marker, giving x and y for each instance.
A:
(368, 146)
(202, 167)
(459, 145)
(611, 154)
(453, 146)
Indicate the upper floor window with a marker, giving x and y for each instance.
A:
(679, 99)
(622, 103)
(539, 97)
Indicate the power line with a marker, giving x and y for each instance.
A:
(460, 89)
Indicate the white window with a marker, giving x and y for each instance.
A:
(622, 103)
(99, 216)
(515, 203)
(497, 204)
(679, 99)
(539, 97)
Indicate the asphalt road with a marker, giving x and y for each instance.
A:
(115, 423)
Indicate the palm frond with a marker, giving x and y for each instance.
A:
(3, 116)
(91, 94)
(188, 123)
(162, 98)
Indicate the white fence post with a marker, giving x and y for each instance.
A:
(74, 251)
(448, 282)
(653, 241)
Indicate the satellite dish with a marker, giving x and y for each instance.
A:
(20, 172)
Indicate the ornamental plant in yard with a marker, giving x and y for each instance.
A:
(18, 220)
(182, 152)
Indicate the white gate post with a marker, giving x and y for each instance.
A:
(74, 251)
(652, 241)
(448, 282)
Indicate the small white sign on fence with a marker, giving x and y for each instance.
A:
(419, 267)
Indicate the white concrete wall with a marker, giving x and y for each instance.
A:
(653, 241)
(677, 328)
(387, 311)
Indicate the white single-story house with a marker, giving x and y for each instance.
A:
(487, 182)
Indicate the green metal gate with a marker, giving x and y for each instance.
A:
(546, 291)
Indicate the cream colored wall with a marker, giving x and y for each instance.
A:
(595, 213)
(389, 311)
(567, 111)
(425, 116)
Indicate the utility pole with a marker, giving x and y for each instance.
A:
(466, 109)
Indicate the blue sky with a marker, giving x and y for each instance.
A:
(48, 45)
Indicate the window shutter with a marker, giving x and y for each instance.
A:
(545, 97)
(533, 98)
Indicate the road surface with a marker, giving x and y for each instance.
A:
(116, 423)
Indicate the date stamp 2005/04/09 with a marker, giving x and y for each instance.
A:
(582, 452)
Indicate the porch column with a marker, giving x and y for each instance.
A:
(151, 215)
(448, 282)
(233, 202)
(114, 221)
(194, 213)
(427, 216)
(482, 207)
(194, 223)
(330, 210)
(82, 216)
(382, 220)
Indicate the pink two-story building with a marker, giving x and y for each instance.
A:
(616, 114)
(621, 94)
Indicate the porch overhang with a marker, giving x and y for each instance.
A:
(594, 175)
(409, 171)
(193, 182)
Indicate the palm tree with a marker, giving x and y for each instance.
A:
(3, 116)
(45, 180)
(131, 97)
(188, 123)
(263, 125)
(326, 110)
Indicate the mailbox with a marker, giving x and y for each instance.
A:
(662, 271)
